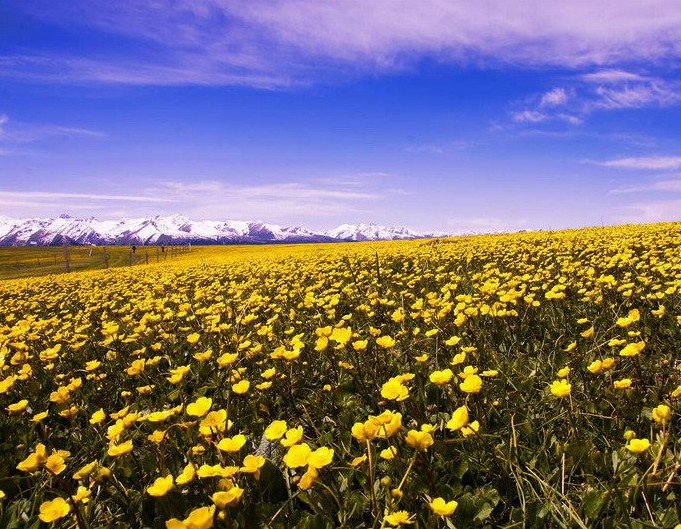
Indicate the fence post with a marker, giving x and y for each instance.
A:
(67, 258)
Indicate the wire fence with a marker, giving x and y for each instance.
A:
(22, 261)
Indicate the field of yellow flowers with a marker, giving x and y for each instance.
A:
(516, 380)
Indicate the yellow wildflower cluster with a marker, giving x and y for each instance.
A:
(358, 384)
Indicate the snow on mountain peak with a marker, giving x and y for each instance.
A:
(179, 229)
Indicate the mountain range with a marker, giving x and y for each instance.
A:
(178, 229)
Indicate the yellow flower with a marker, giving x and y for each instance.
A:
(624, 383)
(227, 359)
(632, 349)
(201, 518)
(341, 335)
(297, 455)
(321, 344)
(227, 498)
(268, 373)
(471, 429)
(212, 471)
(320, 457)
(214, 422)
(186, 475)
(161, 486)
(98, 416)
(471, 384)
(203, 357)
(54, 510)
(193, 338)
(360, 345)
(659, 312)
(199, 407)
(385, 342)
(275, 430)
(393, 389)
(633, 316)
(38, 417)
(388, 422)
(17, 406)
(363, 431)
(232, 444)
(570, 347)
(661, 414)
(82, 494)
(564, 372)
(55, 464)
(419, 440)
(241, 387)
(459, 419)
(588, 333)
(607, 363)
(388, 453)
(399, 518)
(443, 508)
(252, 463)
(638, 445)
(453, 340)
(357, 461)
(595, 367)
(85, 471)
(308, 479)
(441, 377)
(561, 388)
(459, 358)
(121, 449)
(293, 436)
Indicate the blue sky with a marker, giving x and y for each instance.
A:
(432, 114)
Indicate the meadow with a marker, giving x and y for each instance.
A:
(519, 380)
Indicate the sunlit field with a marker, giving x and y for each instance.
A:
(519, 380)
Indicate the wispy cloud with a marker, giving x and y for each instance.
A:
(529, 116)
(13, 133)
(650, 211)
(644, 162)
(464, 225)
(554, 98)
(47, 196)
(598, 91)
(670, 184)
(282, 202)
(279, 42)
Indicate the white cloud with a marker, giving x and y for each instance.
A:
(553, 98)
(282, 42)
(612, 76)
(529, 116)
(485, 225)
(645, 162)
(650, 211)
(283, 202)
(18, 132)
(667, 185)
(649, 94)
(56, 197)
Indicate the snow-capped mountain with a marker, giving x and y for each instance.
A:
(178, 229)
(370, 232)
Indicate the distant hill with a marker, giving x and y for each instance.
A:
(178, 229)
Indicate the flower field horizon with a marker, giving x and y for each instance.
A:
(512, 380)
